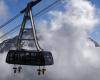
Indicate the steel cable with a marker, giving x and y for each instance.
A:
(20, 14)
(3, 25)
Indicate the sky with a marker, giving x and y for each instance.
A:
(95, 33)
(96, 3)
(13, 7)
(66, 34)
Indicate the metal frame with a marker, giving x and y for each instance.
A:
(28, 16)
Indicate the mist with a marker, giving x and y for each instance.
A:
(67, 37)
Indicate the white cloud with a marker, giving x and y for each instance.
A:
(82, 16)
(4, 68)
(75, 57)
(3, 10)
(4, 15)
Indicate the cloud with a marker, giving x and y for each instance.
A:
(76, 58)
(4, 68)
(82, 16)
(4, 15)
(3, 11)
(66, 36)
(3, 8)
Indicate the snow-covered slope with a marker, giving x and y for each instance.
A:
(11, 43)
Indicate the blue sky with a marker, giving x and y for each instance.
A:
(15, 6)
(96, 33)
(96, 3)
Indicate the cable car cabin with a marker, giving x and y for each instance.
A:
(25, 57)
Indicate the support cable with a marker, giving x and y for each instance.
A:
(15, 17)
(47, 8)
(10, 31)
(20, 14)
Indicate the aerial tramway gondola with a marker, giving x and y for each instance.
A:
(20, 56)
